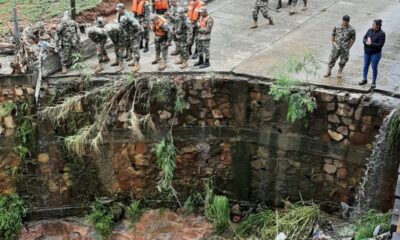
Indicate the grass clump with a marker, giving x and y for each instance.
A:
(253, 223)
(101, 219)
(133, 212)
(364, 228)
(165, 160)
(216, 209)
(11, 213)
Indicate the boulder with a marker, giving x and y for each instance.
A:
(43, 157)
(335, 136)
(329, 168)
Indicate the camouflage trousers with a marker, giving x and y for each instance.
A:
(263, 9)
(336, 53)
(182, 47)
(204, 47)
(119, 53)
(161, 47)
(193, 31)
(101, 50)
(294, 2)
(66, 54)
(134, 47)
(146, 32)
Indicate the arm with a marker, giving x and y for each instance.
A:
(168, 31)
(209, 26)
(353, 38)
(381, 41)
(365, 37)
(333, 39)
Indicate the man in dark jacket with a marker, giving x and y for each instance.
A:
(373, 41)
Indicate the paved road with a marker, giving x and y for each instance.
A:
(237, 48)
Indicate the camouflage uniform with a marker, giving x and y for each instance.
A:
(294, 2)
(341, 49)
(67, 40)
(144, 21)
(117, 36)
(261, 5)
(133, 32)
(162, 43)
(183, 36)
(204, 37)
(172, 17)
(127, 44)
(99, 36)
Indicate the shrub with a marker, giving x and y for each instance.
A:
(134, 212)
(11, 213)
(369, 221)
(101, 219)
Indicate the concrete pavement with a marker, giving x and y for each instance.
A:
(241, 50)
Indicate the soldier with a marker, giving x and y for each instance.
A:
(261, 5)
(193, 14)
(117, 36)
(162, 40)
(99, 36)
(293, 10)
(121, 11)
(204, 37)
(160, 6)
(67, 41)
(343, 38)
(141, 9)
(172, 16)
(134, 31)
(182, 37)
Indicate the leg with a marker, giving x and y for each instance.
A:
(332, 60)
(157, 44)
(367, 62)
(206, 52)
(374, 62)
(201, 51)
(146, 37)
(264, 11)
(344, 58)
(164, 53)
(255, 16)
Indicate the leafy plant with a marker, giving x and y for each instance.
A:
(364, 228)
(22, 152)
(285, 88)
(165, 160)
(134, 212)
(101, 219)
(192, 202)
(216, 208)
(8, 107)
(179, 103)
(11, 213)
(253, 223)
(161, 89)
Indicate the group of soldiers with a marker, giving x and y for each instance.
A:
(131, 32)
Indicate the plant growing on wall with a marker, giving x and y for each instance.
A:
(11, 213)
(300, 100)
(216, 208)
(101, 219)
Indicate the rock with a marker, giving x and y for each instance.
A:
(190, 119)
(53, 186)
(255, 95)
(329, 168)
(347, 121)
(193, 92)
(193, 100)
(226, 112)
(345, 110)
(206, 94)
(188, 149)
(141, 160)
(235, 209)
(217, 123)
(165, 115)
(43, 157)
(354, 98)
(331, 106)
(9, 122)
(358, 112)
(335, 136)
(343, 130)
(140, 148)
(217, 113)
(19, 91)
(367, 119)
(333, 118)
(326, 95)
(352, 127)
(341, 173)
(66, 176)
(30, 91)
(358, 138)
(342, 96)
(210, 103)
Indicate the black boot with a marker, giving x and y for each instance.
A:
(206, 64)
(190, 50)
(290, 2)
(146, 46)
(141, 44)
(279, 4)
(196, 54)
(200, 62)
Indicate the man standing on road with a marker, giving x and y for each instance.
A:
(204, 37)
(134, 31)
(117, 36)
(141, 9)
(67, 41)
(162, 40)
(172, 16)
(293, 10)
(193, 15)
(99, 36)
(182, 37)
(343, 38)
(120, 13)
(261, 5)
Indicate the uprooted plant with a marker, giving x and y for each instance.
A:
(300, 100)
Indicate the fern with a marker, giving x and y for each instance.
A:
(101, 219)
(11, 213)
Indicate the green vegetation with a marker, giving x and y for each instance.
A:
(37, 10)
(193, 202)
(133, 211)
(296, 221)
(101, 219)
(11, 213)
(285, 88)
(8, 107)
(369, 221)
(165, 160)
(216, 209)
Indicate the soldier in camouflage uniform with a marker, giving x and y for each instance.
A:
(99, 36)
(134, 31)
(293, 10)
(343, 38)
(67, 41)
(261, 5)
(204, 37)
(183, 35)
(162, 40)
(172, 16)
(121, 11)
(117, 36)
(142, 14)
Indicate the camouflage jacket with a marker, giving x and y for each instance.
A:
(97, 34)
(68, 34)
(116, 34)
(145, 18)
(182, 29)
(205, 28)
(261, 3)
(172, 16)
(133, 29)
(343, 36)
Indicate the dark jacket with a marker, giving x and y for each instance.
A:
(378, 40)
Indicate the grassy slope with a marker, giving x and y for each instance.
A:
(37, 10)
